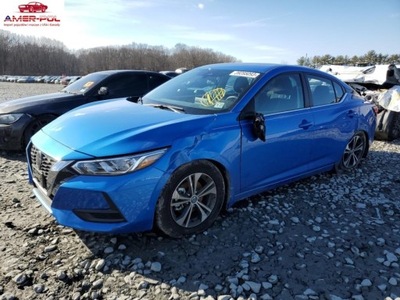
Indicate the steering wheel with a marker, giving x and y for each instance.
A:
(213, 96)
(230, 99)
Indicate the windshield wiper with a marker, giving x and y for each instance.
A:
(168, 107)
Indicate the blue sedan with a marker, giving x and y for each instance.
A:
(196, 145)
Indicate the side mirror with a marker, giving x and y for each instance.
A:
(103, 91)
(259, 126)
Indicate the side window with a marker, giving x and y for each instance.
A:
(128, 84)
(282, 93)
(324, 91)
(155, 81)
(339, 92)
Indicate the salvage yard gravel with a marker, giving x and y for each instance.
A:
(331, 236)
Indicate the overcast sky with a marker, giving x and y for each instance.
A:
(278, 31)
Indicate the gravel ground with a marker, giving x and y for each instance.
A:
(327, 237)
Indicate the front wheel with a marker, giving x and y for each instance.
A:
(191, 200)
(353, 153)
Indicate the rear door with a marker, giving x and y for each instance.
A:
(129, 84)
(336, 117)
(133, 84)
(287, 150)
(155, 80)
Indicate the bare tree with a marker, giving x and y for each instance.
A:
(4, 52)
(370, 58)
(25, 55)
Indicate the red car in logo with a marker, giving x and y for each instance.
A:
(32, 7)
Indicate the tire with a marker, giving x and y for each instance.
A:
(354, 152)
(34, 127)
(388, 125)
(191, 200)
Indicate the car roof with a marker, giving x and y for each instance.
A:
(259, 67)
(267, 67)
(110, 72)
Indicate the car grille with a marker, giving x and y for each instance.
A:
(49, 174)
(40, 165)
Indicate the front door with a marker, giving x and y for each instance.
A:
(286, 152)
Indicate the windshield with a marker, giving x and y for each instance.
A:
(204, 90)
(84, 84)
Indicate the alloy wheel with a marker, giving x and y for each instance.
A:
(193, 200)
(354, 151)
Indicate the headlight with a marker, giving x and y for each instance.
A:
(118, 165)
(10, 118)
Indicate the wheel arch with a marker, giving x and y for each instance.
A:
(367, 138)
(221, 168)
(339, 166)
(218, 165)
(227, 180)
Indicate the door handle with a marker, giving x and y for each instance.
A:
(305, 124)
(351, 113)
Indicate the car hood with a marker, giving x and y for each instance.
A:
(24, 104)
(119, 127)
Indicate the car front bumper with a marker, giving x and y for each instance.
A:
(109, 204)
(11, 135)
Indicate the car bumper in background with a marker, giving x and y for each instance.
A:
(11, 135)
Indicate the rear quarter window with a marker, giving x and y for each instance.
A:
(339, 92)
(324, 91)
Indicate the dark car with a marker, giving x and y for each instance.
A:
(21, 118)
(32, 7)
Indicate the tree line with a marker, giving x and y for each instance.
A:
(368, 59)
(22, 55)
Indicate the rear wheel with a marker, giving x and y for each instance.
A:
(34, 127)
(191, 200)
(353, 152)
